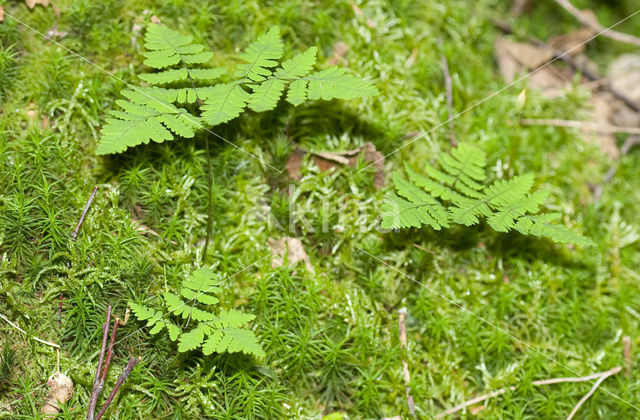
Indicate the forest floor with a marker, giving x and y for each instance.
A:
(484, 310)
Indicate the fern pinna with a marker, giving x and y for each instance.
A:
(455, 193)
(157, 112)
(210, 332)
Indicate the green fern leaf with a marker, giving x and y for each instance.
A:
(266, 95)
(174, 330)
(335, 82)
(166, 47)
(143, 118)
(261, 56)
(233, 318)
(233, 340)
(200, 285)
(190, 340)
(224, 102)
(297, 92)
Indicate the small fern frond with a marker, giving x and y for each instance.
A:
(221, 332)
(261, 56)
(455, 193)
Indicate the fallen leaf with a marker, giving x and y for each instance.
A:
(60, 391)
(33, 3)
(1, 14)
(573, 42)
(518, 57)
(292, 247)
(340, 50)
(624, 73)
(328, 160)
(156, 19)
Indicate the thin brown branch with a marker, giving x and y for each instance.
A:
(48, 343)
(575, 65)
(595, 386)
(600, 128)
(600, 376)
(105, 369)
(449, 93)
(626, 353)
(84, 213)
(97, 385)
(402, 314)
(588, 20)
(123, 377)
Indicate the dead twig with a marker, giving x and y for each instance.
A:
(449, 92)
(574, 64)
(84, 213)
(626, 353)
(595, 386)
(600, 128)
(600, 376)
(97, 385)
(402, 314)
(48, 343)
(590, 21)
(101, 371)
(123, 377)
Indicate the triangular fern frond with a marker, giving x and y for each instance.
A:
(456, 193)
(224, 103)
(211, 332)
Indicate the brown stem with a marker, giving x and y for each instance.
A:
(402, 313)
(84, 213)
(592, 23)
(123, 377)
(97, 386)
(116, 321)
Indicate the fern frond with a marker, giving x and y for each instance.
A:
(221, 332)
(455, 192)
(261, 56)
(336, 83)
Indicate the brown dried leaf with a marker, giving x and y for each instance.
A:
(573, 42)
(296, 252)
(327, 160)
(519, 57)
(476, 409)
(60, 391)
(1, 14)
(32, 3)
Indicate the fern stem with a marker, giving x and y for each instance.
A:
(209, 199)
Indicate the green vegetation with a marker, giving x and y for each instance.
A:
(330, 337)
(150, 113)
(507, 204)
(223, 331)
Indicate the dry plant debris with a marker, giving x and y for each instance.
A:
(293, 248)
(328, 160)
(60, 391)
